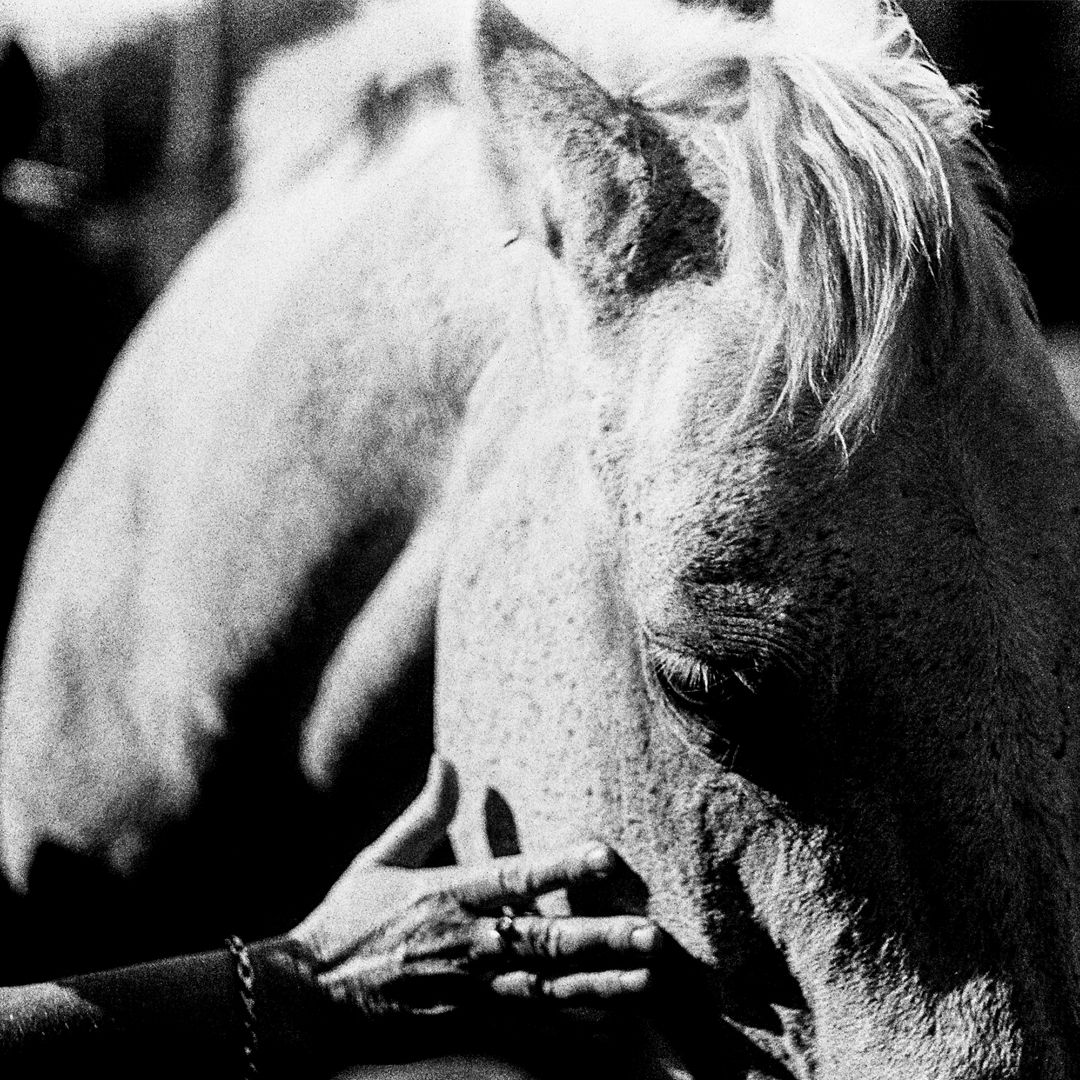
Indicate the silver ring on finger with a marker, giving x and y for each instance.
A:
(507, 932)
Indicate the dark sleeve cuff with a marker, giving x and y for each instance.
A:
(293, 1017)
(172, 1016)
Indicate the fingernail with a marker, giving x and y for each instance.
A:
(600, 860)
(634, 981)
(645, 939)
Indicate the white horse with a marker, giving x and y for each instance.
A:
(740, 491)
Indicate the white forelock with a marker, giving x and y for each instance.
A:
(836, 158)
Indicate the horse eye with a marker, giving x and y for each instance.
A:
(696, 686)
(685, 683)
(726, 710)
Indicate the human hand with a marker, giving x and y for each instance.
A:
(390, 938)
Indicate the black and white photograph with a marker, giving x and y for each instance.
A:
(541, 539)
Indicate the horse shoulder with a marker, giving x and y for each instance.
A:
(284, 413)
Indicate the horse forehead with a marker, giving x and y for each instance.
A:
(669, 371)
(681, 425)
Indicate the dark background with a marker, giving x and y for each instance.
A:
(1024, 57)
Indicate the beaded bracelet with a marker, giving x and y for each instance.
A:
(245, 981)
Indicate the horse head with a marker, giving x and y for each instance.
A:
(774, 583)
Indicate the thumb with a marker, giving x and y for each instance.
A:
(410, 839)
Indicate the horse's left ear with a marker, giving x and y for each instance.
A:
(581, 168)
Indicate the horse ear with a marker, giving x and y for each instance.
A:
(570, 156)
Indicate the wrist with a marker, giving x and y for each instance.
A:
(293, 1016)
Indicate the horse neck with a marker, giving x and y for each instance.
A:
(1017, 443)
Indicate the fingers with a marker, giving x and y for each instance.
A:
(616, 941)
(410, 839)
(439, 956)
(521, 878)
(581, 986)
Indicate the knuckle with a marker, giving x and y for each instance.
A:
(504, 879)
(530, 879)
(620, 936)
(439, 906)
(536, 936)
(441, 899)
(549, 938)
(514, 879)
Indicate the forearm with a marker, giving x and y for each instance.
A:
(165, 1018)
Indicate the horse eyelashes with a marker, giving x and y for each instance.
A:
(685, 681)
(722, 709)
(714, 699)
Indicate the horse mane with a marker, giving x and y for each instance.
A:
(854, 175)
(850, 167)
